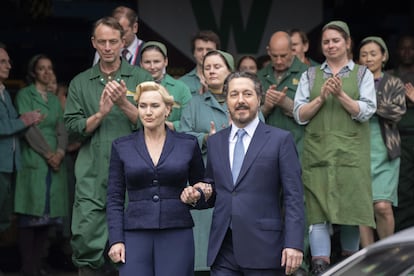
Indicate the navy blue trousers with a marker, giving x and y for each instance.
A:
(226, 264)
(159, 253)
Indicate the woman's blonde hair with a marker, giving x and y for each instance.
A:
(153, 86)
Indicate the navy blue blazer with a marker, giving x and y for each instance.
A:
(153, 191)
(270, 171)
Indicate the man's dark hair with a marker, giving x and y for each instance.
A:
(206, 35)
(243, 74)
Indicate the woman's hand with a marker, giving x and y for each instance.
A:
(117, 252)
(206, 188)
(191, 194)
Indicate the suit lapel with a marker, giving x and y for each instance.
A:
(142, 148)
(143, 151)
(168, 146)
(258, 141)
(223, 150)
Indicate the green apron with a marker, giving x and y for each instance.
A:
(336, 161)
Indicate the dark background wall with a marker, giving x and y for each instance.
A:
(61, 29)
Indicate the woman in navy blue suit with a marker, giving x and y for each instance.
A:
(152, 233)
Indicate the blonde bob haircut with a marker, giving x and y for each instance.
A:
(153, 86)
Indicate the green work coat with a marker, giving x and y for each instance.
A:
(30, 194)
(182, 96)
(277, 117)
(192, 81)
(197, 115)
(89, 227)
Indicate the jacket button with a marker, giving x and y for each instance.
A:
(155, 198)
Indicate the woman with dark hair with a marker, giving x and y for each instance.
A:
(385, 138)
(41, 184)
(247, 63)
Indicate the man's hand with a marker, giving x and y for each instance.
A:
(117, 91)
(32, 117)
(291, 260)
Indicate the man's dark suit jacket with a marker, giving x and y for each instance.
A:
(265, 206)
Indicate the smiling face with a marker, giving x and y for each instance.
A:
(371, 56)
(154, 62)
(242, 101)
(152, 109)
(334, 45)
(43, 71)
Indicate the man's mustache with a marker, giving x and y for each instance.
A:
(242, 107)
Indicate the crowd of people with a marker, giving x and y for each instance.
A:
(239, 167)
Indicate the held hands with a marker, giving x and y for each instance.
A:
(274, 97)
(54, 160)
(113, 93)
(291, 260)
(105, 103)
(117, 252)
(191, 194)
(117, 91)
(32, 117)
(206, 188)
(332, 85)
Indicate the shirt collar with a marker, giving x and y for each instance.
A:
(350, 66)
(250, 128)
(133, 46)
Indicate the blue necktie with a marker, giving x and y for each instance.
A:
(238, 155)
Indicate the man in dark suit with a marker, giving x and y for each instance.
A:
(258, 220)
